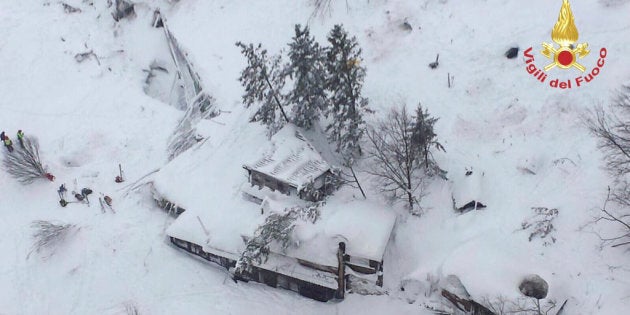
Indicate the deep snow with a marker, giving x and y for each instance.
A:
(496, 119)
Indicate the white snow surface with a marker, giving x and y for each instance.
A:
(90, 116)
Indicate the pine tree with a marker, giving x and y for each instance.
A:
(423, 137)
(344, 82)
(306, 68)
(263, 80)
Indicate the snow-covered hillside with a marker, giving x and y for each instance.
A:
(524, 141)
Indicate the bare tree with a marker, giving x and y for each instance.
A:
(397, 166)
(24, 164)
(612, 128)
(48, 235)
(619, 221)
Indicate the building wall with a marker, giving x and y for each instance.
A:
(321, 189)
(270, 278)
(304, 288)
(198, 250)
(262, 180)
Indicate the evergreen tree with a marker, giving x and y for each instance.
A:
(423, 137)
(344, 82)
(277, 228)
(306, 68)
(263, 80)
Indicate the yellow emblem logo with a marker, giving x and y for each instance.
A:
(565, 34)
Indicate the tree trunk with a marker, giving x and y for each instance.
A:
(357, 181)
(276, 98)
(426, 157)
(410, 197)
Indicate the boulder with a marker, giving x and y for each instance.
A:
(455, 286)
(534, 286)
(123, 9)
(476, 205)
(511, 53)
(406, 26)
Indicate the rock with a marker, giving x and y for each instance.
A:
(405, 26)
(534, 286)
(70, 9)
(123, 9)
(476, 205)
(511, 53)
(455, 286)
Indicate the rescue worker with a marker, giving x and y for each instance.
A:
(20, 136)
(62, 191)
(8, 143)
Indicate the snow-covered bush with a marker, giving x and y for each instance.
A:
(48, 235)
(540, 225)
(24, 164)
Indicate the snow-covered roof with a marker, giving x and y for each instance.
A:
(290, 158)
(363, 226)
(467, 188)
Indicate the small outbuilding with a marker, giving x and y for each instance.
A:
(292, 166)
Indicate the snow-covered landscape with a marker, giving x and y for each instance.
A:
(208, 202)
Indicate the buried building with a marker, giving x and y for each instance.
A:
(342, 243)
(321, 258)
(468, 190)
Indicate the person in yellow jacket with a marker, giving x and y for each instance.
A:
(8, 143)
(20, 136)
